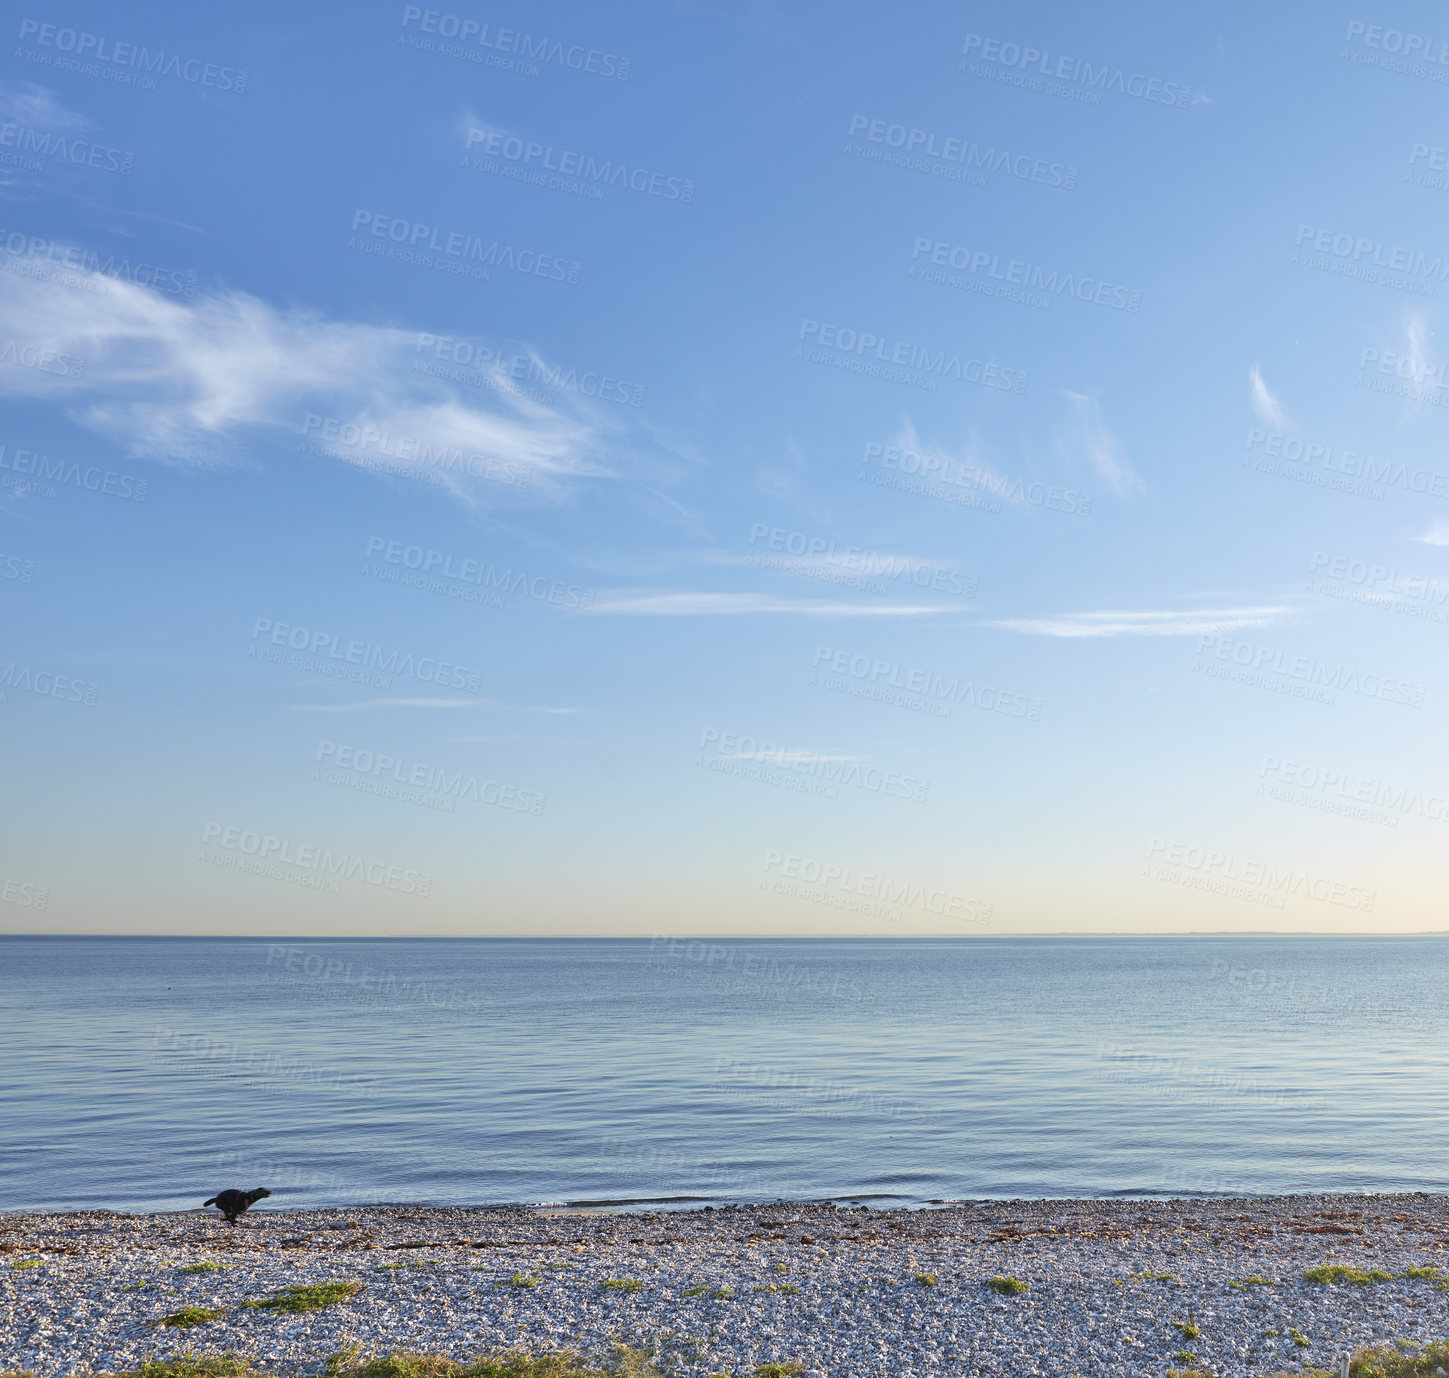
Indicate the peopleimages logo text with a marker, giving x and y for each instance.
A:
(941, 363)
(1365, 252)
(1264, 874)
(412, 236)
(98, 48)
(517, 42)
(1061, 68)
(957, 149)
(308, 856)
(498, 143)
(37, 249)
(367, 654)
(393, 771)
(1424, 47)
(445, 566)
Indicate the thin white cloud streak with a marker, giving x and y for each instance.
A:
(184, 380)
(36, 107)
(795, 756)
(1416, 354)
(472, 124)
(1202, 622)
(1266, 407)
(851, 559)
(689, 604)
(1437, 534)
(363, 704)
(1101, 447)
(937, 462)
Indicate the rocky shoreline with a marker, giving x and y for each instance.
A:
(1112, 1287)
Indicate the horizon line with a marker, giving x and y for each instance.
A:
(761, 937)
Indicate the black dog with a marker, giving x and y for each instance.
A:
(232, 1203)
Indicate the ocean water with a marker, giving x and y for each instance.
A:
(146, 1074)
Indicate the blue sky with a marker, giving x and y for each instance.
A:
(763, 470)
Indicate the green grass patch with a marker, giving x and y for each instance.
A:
(1335, 1274)
(622, 1363)
(926, 1279)
(1187, 1329)
(188, 1365)
(620, 1285)
(22, 1263)
(1254, 1280)
(1008, 1286)
(209, 1265)
(1423, 1274)
(517, 1280)
(1393, 1363)
(188, 1316)
(1389, 1362)
(1299, 1338)
(313, 1297)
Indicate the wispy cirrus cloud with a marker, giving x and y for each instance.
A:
(1417, 356)
(185, 381)
(696, 604)
(786, 756)
(362, 705)
(934, 461)
(1091, 436)
(1437, 534)
(1177, 622)
(36, 107)
(1266, 407)
(850, 559)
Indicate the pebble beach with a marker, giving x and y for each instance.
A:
(1127, 1287)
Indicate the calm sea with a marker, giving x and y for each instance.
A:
(146, 1074)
